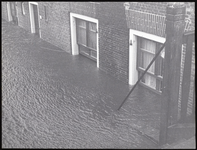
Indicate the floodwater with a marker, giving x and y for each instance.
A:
(51, 99)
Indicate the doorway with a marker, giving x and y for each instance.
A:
(34, 18)
(12, 12)
(84, 36)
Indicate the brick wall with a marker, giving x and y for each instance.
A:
(84, 8)
(113, 27)
(57, 29)
(24, 20)
(146, 22)
(149, 17)
(4, 14)
(158, 8)
(113, 40)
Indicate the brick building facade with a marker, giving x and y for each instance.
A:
(116, 30)
(113, 40)
(55, 25)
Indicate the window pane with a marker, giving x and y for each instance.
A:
(92, 35)
(159, 85)
(148, 45)
(140, 59)
(147, 58)
(92, 40)
(81, 23)
(81, 37)
(92, 26)
(81, 32)
(160, 66)
(143, 43)
(94, 54)
(149, 81)
(160, 62)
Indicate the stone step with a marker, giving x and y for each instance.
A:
(169, 146)
(190, 143)
(180, 131)
(182, 144)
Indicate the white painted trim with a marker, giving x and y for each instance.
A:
(97, 44)
(32, 17)
(16, 6)
(35, 3)
(84, 17)
(133, 73)
(75, 50)
(23, 8)
(148, 36)
(9, 12)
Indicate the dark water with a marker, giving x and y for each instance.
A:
(51, 99)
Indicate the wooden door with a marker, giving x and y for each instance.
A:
(87, 38)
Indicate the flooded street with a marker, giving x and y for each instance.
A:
(51, 99)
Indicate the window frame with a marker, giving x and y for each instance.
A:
(158, 77)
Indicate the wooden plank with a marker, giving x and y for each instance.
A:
(165, 97)
(194, 102)
(189, 32)
(191, 118)
(169, 99)
(186, 77)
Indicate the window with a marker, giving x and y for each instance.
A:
(22, 8)
(146, 52)
(45, 13)
(86, 38)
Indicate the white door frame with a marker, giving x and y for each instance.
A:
(31, 14)
(16, 3)
(9, 11)
(133, 73)
(74, 45)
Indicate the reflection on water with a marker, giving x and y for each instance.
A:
(55, 100)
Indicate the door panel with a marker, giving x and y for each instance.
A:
(87, 38)
(92, 35)
(94, 54)
(81, 32)
(84, 50)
